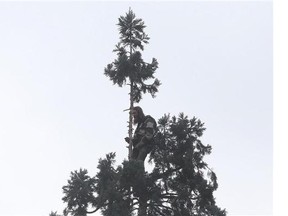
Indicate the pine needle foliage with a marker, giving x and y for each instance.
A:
(180, 183)
(129, 67)
(54, 213)
(79, 193)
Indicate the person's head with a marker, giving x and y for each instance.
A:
(137, 114)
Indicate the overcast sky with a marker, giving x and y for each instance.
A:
(60, 113)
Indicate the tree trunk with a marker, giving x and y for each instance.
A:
(142, 206)
(130, 130)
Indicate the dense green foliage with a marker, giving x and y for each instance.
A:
(129, 67)
(180, 182)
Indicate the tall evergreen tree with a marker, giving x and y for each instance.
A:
(180, 183)
(129, 68)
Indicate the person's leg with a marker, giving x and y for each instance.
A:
(142, 154)
(135, 154)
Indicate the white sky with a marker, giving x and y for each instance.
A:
(59, 112)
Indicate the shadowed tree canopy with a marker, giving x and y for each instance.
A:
(180, 182)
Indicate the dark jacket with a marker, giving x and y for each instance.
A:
(145, 132)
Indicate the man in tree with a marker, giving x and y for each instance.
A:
(142, 140)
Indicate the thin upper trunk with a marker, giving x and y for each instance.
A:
(131, 106)
(130, 131)
(142, 211)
